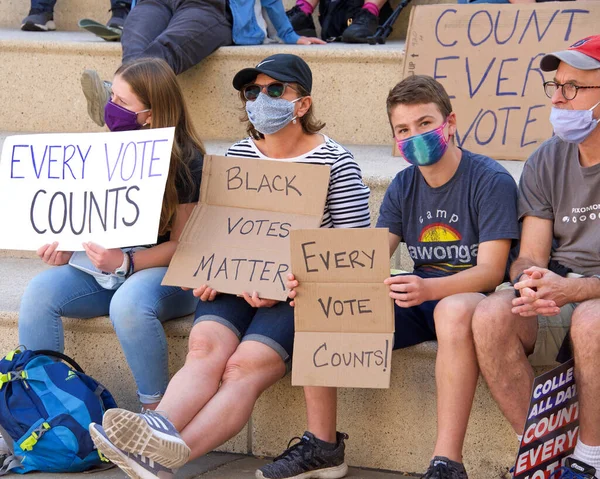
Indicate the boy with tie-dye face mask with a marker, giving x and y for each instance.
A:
(457, 213)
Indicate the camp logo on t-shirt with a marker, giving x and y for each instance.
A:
(440, 247)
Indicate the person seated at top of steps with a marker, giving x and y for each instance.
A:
(240, 345)
(41, 15)
(362, 17)
(250, 28)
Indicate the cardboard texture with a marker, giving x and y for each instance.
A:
(237, 238)
(77, 187)
(344, 317)
(552, 425)
(487, 57)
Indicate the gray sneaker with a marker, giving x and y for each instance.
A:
(134, 465)
(443, 468)
(97, 93)
(38, 21)
(308, 459)
(149, 434)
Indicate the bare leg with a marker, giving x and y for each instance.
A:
(502, 342)
(456, 371)
(585, 334)
(252, 369)
(210, 346)
(321, 412)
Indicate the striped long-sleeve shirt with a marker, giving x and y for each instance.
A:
(347, 203)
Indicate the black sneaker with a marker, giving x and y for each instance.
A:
(307, 459)
(574, 469)
(364, 24)
(303, 24)
(443, 468)
(119, 13)
(38, 21)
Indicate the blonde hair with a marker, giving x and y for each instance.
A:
(156, 86)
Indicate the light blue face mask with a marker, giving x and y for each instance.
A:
(573, 126)
(269, 115)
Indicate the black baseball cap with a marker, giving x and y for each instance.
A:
(283, 67)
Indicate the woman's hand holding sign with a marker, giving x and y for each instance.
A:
(292, 284)
(50, 256)
(257, 302)
(205, 293)
(107, 260)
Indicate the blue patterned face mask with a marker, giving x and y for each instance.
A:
(573, 126)
(425, 149)
(269, 115)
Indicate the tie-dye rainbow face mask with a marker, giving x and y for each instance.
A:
(425, 149)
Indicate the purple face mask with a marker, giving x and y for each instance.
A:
(118, 118)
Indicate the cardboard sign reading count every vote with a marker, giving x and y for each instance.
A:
(237, 238)
(344, 316)
(487, 57)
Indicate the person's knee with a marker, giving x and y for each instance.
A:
(249, 367)
(453, 317)
(42, 295)
(130, 311)
(201, 346)
(492, 321)
(585, 326)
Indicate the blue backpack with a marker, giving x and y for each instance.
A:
(46, 407)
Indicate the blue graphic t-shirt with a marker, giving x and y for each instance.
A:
(444, 226)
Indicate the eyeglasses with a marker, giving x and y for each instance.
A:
(274, 90)
(569, 90)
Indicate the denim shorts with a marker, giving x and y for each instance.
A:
(271, 326)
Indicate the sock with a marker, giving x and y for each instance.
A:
(328, 446)
(305, 6)
(371, 8)
(588, 454)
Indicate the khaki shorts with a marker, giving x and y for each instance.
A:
(551, 333)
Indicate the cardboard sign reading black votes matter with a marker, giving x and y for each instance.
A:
(344, 317)
(237, 238)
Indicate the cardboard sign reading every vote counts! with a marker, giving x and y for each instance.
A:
(344, 316)
(488, 57)
(237, 238)
(77, 187)
(552, 424)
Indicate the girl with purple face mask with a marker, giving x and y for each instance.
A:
(145, 94)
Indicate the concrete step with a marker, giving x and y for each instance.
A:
(40, 89)
(68, 12)
(390, 429)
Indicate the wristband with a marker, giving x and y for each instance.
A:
(131, 263)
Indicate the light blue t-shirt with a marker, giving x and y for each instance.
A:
(444, 226)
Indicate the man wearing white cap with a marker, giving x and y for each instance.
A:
(559, 205)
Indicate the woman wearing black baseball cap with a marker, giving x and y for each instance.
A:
(241, 345)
